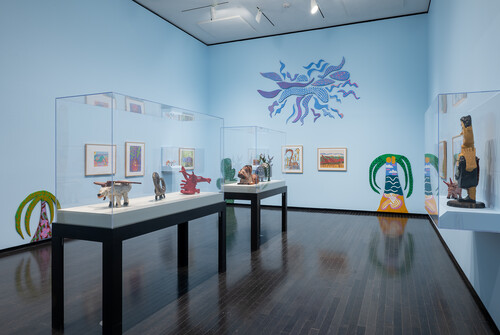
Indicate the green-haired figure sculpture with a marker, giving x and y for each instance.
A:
(43, 230)
(392, 199)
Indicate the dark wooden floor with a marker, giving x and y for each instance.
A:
(329, 274)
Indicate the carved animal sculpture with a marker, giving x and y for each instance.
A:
(159, 186)
(261, 172)
(115, 189)
(188, 186)
(247, 177)
(454, 191)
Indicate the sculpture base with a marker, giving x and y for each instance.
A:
(465, 204)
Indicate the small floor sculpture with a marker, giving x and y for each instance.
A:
(467, 168)
(188, 186)
(160, 187)
(247, 177)
(115, 189)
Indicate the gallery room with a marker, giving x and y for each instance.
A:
(250, 167)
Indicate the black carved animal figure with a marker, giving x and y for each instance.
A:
(247, 177)
(159, 186)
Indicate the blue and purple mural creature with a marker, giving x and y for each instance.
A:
(323, 85)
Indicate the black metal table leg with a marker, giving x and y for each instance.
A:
(284, 218)
(112, 286)
(182, 244)
(58, 283)
(255, 224)
(222, 240)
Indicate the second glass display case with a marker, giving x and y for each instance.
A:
(462, 174)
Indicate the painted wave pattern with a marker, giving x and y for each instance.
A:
(392, 185)
(316, 91)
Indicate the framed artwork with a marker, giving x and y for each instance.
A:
(101, 100)
(332, 159)
(134, 106)
(456, 146)
(134, 159)
(442, 159)
(186, 158)
(443, 103)
(291, 159)
(458, 98)
(100, 159)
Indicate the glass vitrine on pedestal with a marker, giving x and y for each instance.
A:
(444, 144)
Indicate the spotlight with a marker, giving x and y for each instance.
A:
(314, 7)
(212, 13)
(258, 16)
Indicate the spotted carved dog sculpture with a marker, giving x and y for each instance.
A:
(247, 177)
(159, 186)
(115, 189)
(454, 191)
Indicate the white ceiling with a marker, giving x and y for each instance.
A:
(235, 19)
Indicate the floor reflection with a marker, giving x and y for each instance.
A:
(391, 249)
(32, 275)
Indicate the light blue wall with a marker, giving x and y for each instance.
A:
(387, 59)
(464, 44)
(56, 48)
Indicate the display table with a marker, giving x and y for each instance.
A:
(255, 193)
(111, 226)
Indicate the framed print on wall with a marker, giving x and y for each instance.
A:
(442, 159)
(100, 159)
(456, 146)
(291, 159)
(186, 158)
(134, 106)
(101, 100)
(458, 98)
(332, 159)
(134, 159)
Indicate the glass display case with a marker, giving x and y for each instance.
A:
(462, 160)
(109, 146)
(253, 146)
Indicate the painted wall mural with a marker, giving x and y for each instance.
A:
(393, 199)
(44, 229)
(317, 91)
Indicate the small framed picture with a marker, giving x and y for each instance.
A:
(332, 159)
(186, 158)
(443, 103)
(458, 98)
(291, 159)
(442, 159)
(134, 106)
(100, 159)
(456, 147)
(134, 159)
(101, 100)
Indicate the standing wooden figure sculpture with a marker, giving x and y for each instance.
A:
(393, 199)
(467, 168)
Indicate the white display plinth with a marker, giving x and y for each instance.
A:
(256, 188)
(485, 219)
(139, 209)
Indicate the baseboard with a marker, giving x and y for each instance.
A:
(23, 247)
(339, 211)
(462, 274)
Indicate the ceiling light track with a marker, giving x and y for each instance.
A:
(213, 6)
(259, 14)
